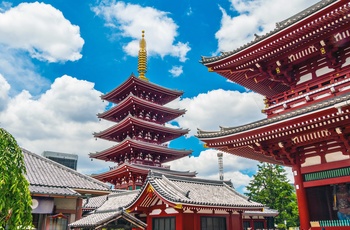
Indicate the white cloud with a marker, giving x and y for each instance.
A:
(219, 107)
(206, 165)
(176, 71)
(4, 90)
(41, 30)
(131, 19)
(62, 119)
(254, 17)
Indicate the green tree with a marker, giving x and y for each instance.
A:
(270, 186)
(15, 199)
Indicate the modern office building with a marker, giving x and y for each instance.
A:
(67, 159)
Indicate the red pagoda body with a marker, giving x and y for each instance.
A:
(140, 130)
(303, 69)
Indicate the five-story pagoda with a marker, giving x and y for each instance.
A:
(140, 130)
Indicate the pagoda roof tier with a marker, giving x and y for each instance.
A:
(136, 169)
(133, 104)
(324, 126)
(274, 63)
(131, 146)
(160, 94)
(142, 130)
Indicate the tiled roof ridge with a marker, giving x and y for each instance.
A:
(191, 179)
(118, 210)
(305, 12)
(65, 168)
(160, 170)
(123, 193)
(129, 116)
(151, 144)
(131, 95)
(156, 85)
(279, 26)
(148, 83)
(266, 121)
(240, 194)
(174, 186)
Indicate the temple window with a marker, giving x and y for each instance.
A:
(213, 223)
(164, 223)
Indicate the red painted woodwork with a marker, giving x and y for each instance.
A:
(302, 200)
(303, 70)
(254, 65)
(140, 131)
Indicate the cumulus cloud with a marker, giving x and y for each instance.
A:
(62, 119)
(130, 19)
(4, 89)
(42, 31)
(254, 17)
(176, 71)
(236, 169)
(219, 107)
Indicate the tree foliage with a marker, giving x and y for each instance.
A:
(270, 186)
(15, 199)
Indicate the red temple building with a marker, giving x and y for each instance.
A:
(161, 198)
(176, 202)
(302, 68)
(140, 130)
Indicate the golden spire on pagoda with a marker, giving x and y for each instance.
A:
(142, 63)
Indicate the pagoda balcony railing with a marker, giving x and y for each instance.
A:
(328, 86)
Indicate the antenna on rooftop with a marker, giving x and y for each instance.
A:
(221, 166)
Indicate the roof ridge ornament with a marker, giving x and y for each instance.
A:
(142, 58)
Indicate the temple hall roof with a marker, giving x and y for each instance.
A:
(195, 192)
(279, 60)
(282, 25)
(50, 178)
(226, 131)
(299, 127)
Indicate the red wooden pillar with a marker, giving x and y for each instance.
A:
(251, 222)
(230, 221)
(240, 220)
(179, 219)
(301, 197)
(149, 222)
(196, 220)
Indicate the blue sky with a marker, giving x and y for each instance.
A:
(57, 57)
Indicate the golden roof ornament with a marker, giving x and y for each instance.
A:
(142, 62)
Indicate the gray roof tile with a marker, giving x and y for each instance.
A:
(202, 192)
(44, 174)
(109, 210)
(51, 190)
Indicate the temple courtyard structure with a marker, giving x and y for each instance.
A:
(302, 67)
